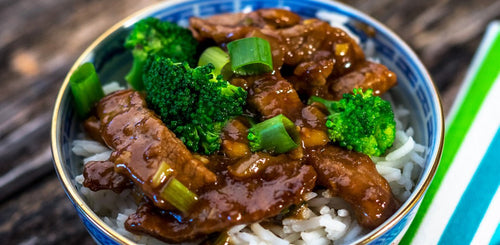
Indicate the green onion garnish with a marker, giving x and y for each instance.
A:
(275, 135)
(86, 88)
(162, 175)
(174, 191)
(219, 59)
(179, 195)
(250, 56)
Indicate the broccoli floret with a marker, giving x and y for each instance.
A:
(152, 36)
(193, 103)
(360, 121)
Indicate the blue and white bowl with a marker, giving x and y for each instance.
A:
(415, 90)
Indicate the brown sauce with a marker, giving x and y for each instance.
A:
(353, 177)
(229, 202)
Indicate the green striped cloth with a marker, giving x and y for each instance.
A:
(462, 204)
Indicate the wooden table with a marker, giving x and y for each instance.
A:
(39, 41)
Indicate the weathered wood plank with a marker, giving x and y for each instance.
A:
(39, 42)
(41, 215)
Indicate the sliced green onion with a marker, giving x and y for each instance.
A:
(250, 56)
(86, 88)
(219, 59)
(175, 192)
(162, 174)
(275, 135)
(179, 195)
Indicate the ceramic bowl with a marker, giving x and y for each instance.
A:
(415, 90)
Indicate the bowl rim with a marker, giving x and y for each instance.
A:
(85, 210)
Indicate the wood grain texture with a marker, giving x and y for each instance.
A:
(39, 41)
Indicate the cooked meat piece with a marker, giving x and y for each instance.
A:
(353, 177)
(92, 126)
(224, 28)
(204, 29)
(273, 18)
(313, 116)
(272, 95)
(315, 40)
(230, 202)
(314, 73)
(141, 142)
(312, 126)
(366, 75)
(101, 175)
(370, 75)
(234, 139)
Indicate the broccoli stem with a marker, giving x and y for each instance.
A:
(86, 88)
(230, 90)
(275, 135)
(134, 76)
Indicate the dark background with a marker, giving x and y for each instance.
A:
(40, 40)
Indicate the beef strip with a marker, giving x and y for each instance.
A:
(313, 73)
(353, 177)
(230, 202)
(315, 40)
(141, 142)
(366, 75)
(271, 95)
(101, 175)
(92, 126)
(224, 28)
(273, 18)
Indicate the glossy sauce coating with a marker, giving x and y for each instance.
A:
(101, 175)
(353, 177)
(229, 202)
(141, 142)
